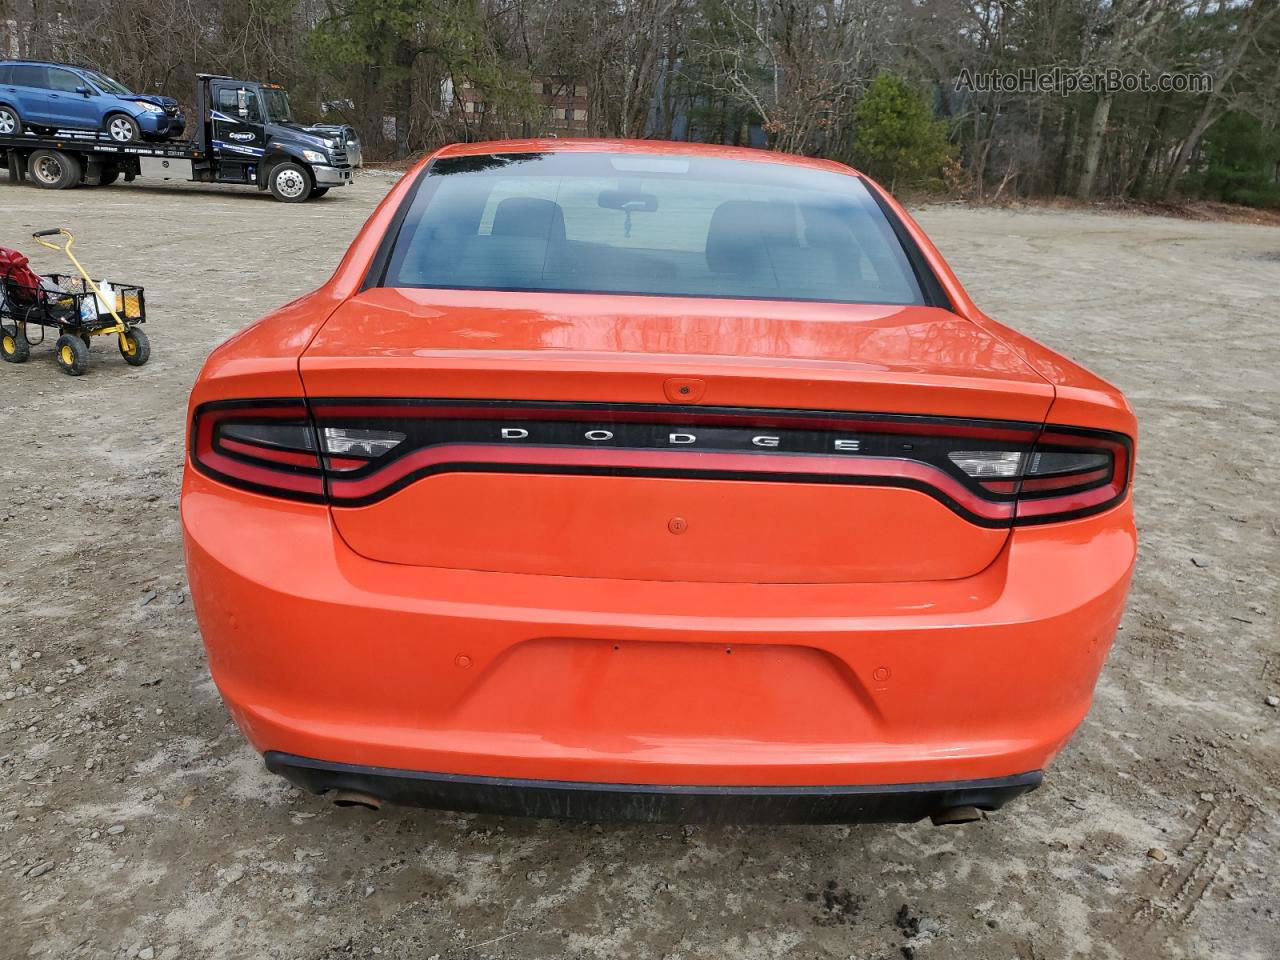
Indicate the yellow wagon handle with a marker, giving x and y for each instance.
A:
(65, 247)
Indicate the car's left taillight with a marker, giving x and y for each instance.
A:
(270, 447)
(267, 446)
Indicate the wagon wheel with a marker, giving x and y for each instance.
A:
(13, 345)
(135, 347)
(72, 355)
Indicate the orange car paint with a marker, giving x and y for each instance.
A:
(624, 651)
(322, 653)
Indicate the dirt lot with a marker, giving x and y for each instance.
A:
(136, 822)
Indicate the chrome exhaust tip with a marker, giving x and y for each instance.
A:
(354, 798)
(953, 815)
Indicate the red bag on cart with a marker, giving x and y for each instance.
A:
(19, 280)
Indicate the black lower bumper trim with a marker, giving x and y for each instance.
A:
(896, 803)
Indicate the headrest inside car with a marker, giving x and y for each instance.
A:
(741, 229)
(528, 217)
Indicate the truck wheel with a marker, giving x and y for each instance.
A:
(72, 355)
(10, 122)
(135, 347)
(290, 183)
(317, 192)
(122, 128)
(13, 345)
(53, 169)
(108, 176)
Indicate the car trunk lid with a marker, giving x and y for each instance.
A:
(663, 438)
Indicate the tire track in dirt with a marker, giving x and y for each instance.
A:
(1169, 899)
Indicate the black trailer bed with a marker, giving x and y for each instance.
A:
(91, 142)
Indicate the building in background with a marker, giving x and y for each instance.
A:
(565, 115)
(567, 101)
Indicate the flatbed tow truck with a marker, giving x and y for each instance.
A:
(245, 135)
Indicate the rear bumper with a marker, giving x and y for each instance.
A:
(896, 803)
(321, 653)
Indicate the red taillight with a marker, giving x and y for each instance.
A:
(1067, 473)
(1073, 473)
(270, 446)
(356, 452)
(267, 446)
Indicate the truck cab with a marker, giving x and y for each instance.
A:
(250, 136)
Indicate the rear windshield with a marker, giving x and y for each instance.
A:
(652, 225)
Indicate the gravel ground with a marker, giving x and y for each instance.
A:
(135, 822)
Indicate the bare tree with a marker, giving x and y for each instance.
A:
(786, 73)
(1249, 28)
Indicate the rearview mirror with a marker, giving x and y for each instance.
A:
(632, 201)
(85, 91)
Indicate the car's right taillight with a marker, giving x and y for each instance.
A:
(1073, 473)
(1067, 473)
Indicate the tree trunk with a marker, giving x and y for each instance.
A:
(1208, 115)
(1093, 147)
(1070, 151)
(403, 98)
(1037, 134)
(1154, 142)
(37, 38)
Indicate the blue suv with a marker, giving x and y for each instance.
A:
(52, 96)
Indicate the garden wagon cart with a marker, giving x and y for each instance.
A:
(79, 308)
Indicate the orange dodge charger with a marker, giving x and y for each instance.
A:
(632, 480)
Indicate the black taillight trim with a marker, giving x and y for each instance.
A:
(921, 465)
